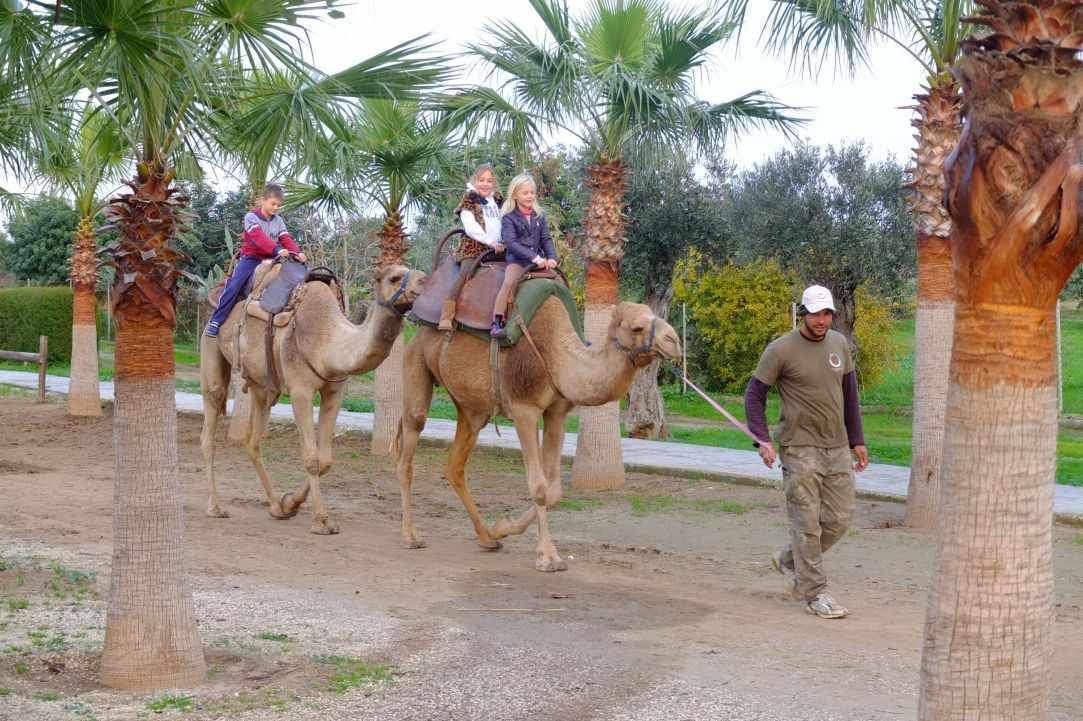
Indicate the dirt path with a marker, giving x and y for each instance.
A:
(668, 610)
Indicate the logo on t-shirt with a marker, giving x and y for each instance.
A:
(834, 361)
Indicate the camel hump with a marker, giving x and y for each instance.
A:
(474, 310)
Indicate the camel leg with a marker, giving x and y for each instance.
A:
(417, 396)
(260, 414)
(214, 384)
(316, 466)
(467, 428)
(552, 444)
(526, 425)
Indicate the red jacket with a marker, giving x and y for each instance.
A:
(264, 237)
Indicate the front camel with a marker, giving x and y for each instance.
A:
(567, 373)
(315, 353)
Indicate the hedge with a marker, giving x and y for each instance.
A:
(26, 313)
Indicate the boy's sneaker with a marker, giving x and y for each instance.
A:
(826, 607)
(789, 578)
(498, 329)
(212, 330)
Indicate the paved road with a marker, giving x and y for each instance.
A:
(878, 480)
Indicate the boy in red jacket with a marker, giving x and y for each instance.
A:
(265, 236)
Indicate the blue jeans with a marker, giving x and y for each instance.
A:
(234, 289)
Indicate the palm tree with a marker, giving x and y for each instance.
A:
(163, 70)
(24, 118)
(1013, 192)
(392, 157)
(931, 31)
(87, 151)
(620, 79)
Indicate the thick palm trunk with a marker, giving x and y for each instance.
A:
(599, 460)
(1013, 193)
(84, 396)
(388, 401)
(151, 639)
(938, 125)
(646, 416)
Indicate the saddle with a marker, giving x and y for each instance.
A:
(278, 290)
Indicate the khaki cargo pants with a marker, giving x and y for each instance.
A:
(819, 487)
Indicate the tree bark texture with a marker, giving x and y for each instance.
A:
(599, 459)
(84, 393)
(388, 391)
(938, 123)
(933, 325)
(646, 417)
(151, 639)
(1013, 195)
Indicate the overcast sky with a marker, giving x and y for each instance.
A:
(866, 107)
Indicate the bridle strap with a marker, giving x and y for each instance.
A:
(390, 302)
(634, 353)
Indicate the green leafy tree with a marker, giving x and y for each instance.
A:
(620, 79)
(41, 244)
(669, 211)
(830, 216)
(735, 311)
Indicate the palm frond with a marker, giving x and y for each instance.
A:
(713, 125)
(813, 31)
(619, 33)
(23, 36)
(683, 45)
(481, 111)
(402, 72)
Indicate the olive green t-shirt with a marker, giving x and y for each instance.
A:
(808, 375)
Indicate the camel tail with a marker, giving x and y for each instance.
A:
(395, 447)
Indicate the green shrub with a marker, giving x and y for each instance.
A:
(26, 313)
(877, 346)
(734, 311)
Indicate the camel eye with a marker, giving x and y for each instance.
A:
(396, 279)
(638, 328)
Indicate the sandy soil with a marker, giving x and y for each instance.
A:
(669, 609)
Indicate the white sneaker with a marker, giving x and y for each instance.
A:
(826, 607)
(789, 578)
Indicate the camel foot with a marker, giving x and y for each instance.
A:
(287, 507)
(215, 511)
(323, 526)
(501, 529)
(550, 564)
(490, 544)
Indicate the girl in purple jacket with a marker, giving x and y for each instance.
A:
(525, 235)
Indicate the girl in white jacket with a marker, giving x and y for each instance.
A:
(479, 212)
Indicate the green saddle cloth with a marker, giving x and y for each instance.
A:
(529, 297)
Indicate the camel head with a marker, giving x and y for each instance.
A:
(637, 331)
(398, 287)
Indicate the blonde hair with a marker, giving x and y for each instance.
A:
(513, 188)
(480, 170)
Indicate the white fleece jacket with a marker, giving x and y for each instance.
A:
(490, 234)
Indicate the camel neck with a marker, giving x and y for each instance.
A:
(587, 376)
(352, 349)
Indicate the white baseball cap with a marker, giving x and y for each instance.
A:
(817, 298)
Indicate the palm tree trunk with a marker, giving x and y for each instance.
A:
(646, 417)
(84, 396)
(599, 460)
(1013, 193)
(938, 124)
(388, 411)
(151, 638)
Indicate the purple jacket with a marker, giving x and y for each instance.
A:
(526, 238)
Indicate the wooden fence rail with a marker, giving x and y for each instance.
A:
(41, 358)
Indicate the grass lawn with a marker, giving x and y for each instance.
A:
(888, 423)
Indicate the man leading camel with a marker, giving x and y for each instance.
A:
(819, 426)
